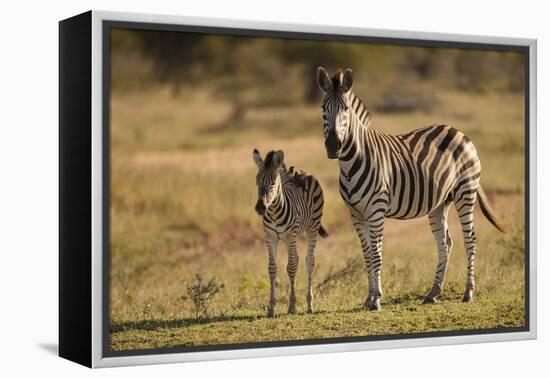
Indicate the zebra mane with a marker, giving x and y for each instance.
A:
(293, 176)
(298, 177)
(283, 173)
(360, 109)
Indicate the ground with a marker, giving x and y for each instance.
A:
(182, 202)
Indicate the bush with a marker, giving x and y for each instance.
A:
(201, 293)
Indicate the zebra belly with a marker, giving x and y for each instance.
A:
(284, 231)
(394, 213)
(435, 194)
(419, 199)
(409, 199)
(440, 163)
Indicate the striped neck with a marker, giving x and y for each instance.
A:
(279, 202)
(358, 107)
(283, 174)
(355, 141)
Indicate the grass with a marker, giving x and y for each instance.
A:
(402, 317)
(182, 198)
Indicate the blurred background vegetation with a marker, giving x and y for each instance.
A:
(187, 109)
(254, 72)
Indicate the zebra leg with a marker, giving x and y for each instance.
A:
(271, 244)
(376, 232)
(440, 230)
(310, 264)
(465, 209)
(291, 269)
(362, 233)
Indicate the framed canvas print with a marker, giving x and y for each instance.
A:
(235, 189)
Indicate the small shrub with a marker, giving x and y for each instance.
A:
(201, 293)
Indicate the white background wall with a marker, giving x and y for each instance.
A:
(28, 190)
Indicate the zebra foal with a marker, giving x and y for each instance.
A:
(421, 172)
(291, 203)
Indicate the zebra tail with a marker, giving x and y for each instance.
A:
(488, 211)
(323, 232)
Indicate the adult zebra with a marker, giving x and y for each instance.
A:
(400, 176)
(291, 203)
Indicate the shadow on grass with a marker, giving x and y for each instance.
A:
(150, 325)
(412, 298)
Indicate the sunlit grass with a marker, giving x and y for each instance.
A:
(182, 198)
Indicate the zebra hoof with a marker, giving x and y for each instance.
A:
(270, 312)
(292, 310)
(468, 297)
(429, 300)
(373, 304)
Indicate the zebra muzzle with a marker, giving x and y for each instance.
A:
(332, 145)
(260, 208)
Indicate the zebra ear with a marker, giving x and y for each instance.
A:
(347, 81)
(257, 158)
(278, 158)
(323, 80)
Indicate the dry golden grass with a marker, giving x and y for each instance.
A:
(182, 196)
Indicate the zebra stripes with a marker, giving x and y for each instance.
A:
(291, 203)
(404, 176)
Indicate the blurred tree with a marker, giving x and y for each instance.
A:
(255, 76)
(312, 54)
(243, 70)
(480, 71)
(173, 57)
(253, 72)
